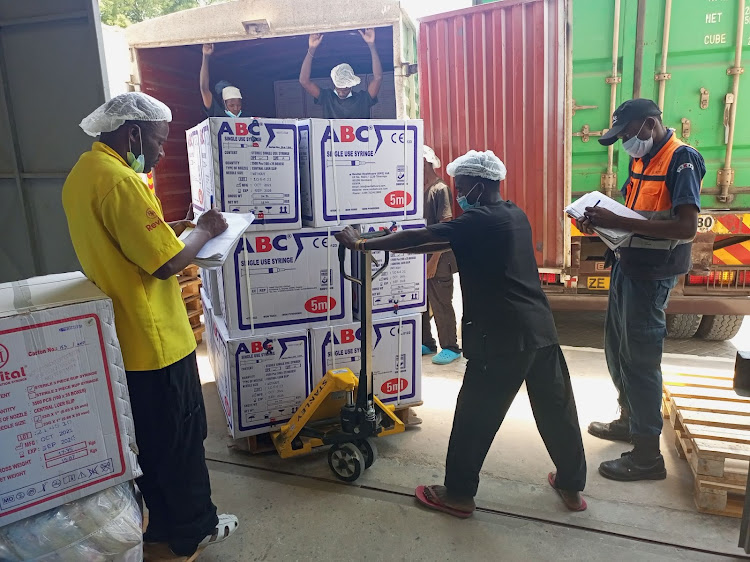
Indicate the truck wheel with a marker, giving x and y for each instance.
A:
(683, 326)
(720, 327)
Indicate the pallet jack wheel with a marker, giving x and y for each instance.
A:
(369, 451)
(346, 461)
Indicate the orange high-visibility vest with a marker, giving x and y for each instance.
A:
(647, 194)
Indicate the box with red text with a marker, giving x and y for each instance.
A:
(280, 281)
(397, 364)
(66, 429)
(361, 170)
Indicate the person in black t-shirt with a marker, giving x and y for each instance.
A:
(342, 102)
(509, 335)
(230, 104)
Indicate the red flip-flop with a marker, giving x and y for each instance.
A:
(428, 499)
(551, 479)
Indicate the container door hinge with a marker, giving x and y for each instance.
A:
(608, 183)
(704, 98)
(586, 133)
(408, 69)
(685, 127)
(724, 181)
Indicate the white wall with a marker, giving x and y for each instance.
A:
(117, 58)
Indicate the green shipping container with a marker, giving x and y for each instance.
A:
(688, 56)
(697, 84)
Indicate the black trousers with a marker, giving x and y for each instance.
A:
(170, 426)
(489, 387)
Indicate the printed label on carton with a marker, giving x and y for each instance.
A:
(364, 170)
(258, 163)
(294, 280)
(400, 289)
(396, 368)
(272, 379)
(59, 430)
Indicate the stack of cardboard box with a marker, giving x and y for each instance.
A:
(281, 312)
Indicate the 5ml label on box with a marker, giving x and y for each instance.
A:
(284, 281)
(363, 170)
(396, 366)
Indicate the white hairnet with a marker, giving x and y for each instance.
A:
(431, 157)
(131, 106)
(231, 93)
(478, 164)
(343, 76)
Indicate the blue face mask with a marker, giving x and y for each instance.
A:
(232, 115)
(137, 164)
(464, 203)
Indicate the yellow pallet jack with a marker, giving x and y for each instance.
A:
(342, 411)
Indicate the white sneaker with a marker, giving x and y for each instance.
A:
(227, 525)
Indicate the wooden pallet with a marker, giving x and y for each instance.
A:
(190, 285)
(193, 302)
(190, 272)
(198, 333)
(712, 433)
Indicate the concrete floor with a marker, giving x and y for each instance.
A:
(295, 509)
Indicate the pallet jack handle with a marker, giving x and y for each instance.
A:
(381, 269)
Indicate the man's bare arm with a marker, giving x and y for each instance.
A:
(418, 241)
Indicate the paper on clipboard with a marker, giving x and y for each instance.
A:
(216, 251)
(612, 237)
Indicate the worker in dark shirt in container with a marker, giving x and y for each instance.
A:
(230, 97)
(509, 335)
(342, 102)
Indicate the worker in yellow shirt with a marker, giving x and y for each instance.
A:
(132, 254)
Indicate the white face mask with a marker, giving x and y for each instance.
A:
(638, 148)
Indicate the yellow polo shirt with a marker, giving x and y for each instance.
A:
(120, 237)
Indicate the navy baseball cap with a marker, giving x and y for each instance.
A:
(631, 110)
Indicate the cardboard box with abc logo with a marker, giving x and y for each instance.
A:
(247, 165)
(261, 380)
(65, 425)
(397, 348)
(361, 170)
(401, 289)
(281, 281)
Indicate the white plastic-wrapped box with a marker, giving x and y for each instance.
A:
(106, 526)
